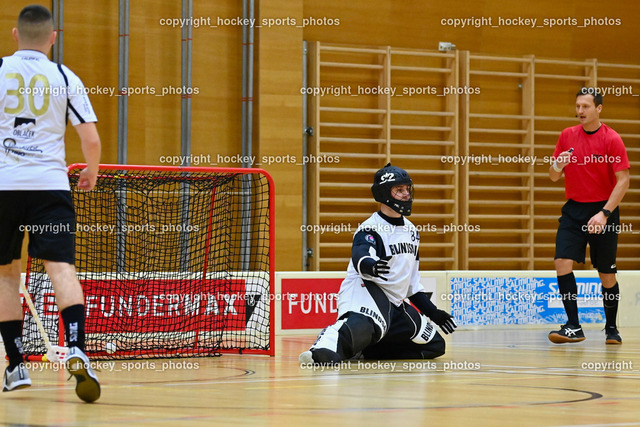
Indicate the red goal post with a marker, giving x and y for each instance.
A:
(174, 262)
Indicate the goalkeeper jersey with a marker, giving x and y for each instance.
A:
(36, 98)
(379, 237)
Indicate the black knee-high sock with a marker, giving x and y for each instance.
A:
(73, 318)
(569, 291)
(610, 298)
(12, 337)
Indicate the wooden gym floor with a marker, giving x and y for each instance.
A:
(488, 377)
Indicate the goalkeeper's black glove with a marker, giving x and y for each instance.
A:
(381, 268)
(444, 320)
(376, 268)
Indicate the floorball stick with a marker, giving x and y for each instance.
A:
(55, 353)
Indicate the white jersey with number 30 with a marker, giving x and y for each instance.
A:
(36, 98)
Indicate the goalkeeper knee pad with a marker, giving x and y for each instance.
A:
(426, 331)
(357, 333)
(328, 337)
(347, 337)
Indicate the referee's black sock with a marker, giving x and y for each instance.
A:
(569, 291)
(610, 298)
(12, 336)
(73, 318)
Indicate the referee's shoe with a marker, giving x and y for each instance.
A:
(78, 365)
(613, 336)
(567, 333)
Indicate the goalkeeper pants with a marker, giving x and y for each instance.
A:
(410, 335)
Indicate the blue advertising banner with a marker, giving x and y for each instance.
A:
(520, 300)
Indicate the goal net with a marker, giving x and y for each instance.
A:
(173, 261)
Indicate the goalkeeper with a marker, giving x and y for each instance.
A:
(374, 319)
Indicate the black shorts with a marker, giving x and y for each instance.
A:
(572, 237)
(47, 216)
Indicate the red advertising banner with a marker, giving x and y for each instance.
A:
(312, 303)
(166, 305)
(309, 303)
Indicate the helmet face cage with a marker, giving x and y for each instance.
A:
(387, 178)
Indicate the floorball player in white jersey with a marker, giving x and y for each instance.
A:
(374, 319)
(37, 97)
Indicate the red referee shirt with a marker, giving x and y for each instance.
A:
(590, 176)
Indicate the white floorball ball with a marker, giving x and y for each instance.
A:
(110, 348)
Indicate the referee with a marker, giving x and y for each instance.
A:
(37, 97)
(594, 162)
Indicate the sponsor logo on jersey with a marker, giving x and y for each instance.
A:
(9, 145)
(403, 248)
(427, 332)
(22, 128)
(19, 121)
(375, 316)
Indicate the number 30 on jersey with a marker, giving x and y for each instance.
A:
(21, 92)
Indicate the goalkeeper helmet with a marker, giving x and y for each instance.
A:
(387, 178)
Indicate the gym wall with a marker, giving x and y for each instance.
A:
(91, 50)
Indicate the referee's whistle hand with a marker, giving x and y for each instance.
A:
(564, 158)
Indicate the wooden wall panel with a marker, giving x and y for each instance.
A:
(279, 123)
(511, 208)
(419, 25)
(88, 51)
(217, 74)
(91, 50)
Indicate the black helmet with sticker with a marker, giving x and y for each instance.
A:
(385, 179)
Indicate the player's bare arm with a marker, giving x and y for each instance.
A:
(598, 221)
(91, 147)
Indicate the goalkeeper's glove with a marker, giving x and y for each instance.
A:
(444, 320)
(376, 268)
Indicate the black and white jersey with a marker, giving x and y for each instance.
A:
(379, 237)
(37, 97)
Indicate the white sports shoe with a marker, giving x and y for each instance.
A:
(16, 379)
(319, 356)
(78, 365)
(306, 358)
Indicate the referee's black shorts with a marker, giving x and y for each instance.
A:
(48, 217)
(572, 236)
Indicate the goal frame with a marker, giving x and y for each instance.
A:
(271, 273)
